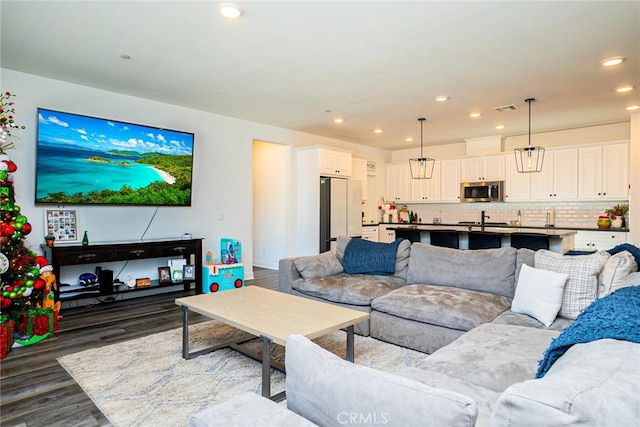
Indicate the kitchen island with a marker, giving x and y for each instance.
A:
(560, 240)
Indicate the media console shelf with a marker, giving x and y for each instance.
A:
(97, 253)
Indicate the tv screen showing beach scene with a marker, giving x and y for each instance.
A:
(88, 160)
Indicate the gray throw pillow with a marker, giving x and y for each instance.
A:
(581, 288)
(318, 266)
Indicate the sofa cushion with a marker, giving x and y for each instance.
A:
(615, 270)
(510, 318)
(402, 255)
(488, 270)
(248, 409)
(485, 398)
(592, 384)
(355, 289)
(632, 249)
(318, 266)
(455, 308)
(539, 293)
(524, 256)
(328, 391)
(492, 356)
(581, 288)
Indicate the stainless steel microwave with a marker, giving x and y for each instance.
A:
(471, 192)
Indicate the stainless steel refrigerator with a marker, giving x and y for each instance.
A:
(340, 210)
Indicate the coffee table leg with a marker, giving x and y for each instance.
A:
(266, 367)
(350, 343)
(185, 332)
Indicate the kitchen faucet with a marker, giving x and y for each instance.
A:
(483, 216)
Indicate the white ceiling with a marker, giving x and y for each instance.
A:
(375, 63)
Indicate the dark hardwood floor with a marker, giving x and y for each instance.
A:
(36, 391)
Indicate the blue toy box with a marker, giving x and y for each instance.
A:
(227, 274)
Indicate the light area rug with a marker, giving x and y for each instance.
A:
(146, 382)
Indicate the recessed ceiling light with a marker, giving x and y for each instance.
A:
(409, 139)
(378, 131)
(625, 88)
(633, 108)
(500, 127)
(474, 115)
(338, 120)
(229, 10)
(610, 62)
(441, 98)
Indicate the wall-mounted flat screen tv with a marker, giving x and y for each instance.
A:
(84, 160)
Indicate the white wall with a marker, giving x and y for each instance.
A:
(271, 198)
(223, 176)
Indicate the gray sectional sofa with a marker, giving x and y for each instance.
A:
(435, 295)
(487, 320)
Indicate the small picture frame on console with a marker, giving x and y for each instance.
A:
(164, 274)
(189, 272)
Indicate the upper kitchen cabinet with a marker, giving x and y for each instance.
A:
(398, 183)
(450, 180)
(488, 168)
(559, 177)
(517, 185)
(603, 172)
(359, 173)
(427, 190)
(334, 162)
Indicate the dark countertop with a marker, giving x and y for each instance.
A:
(491, 227)
(551, 232)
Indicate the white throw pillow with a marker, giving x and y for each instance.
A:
(615, 271)
(581, 288)
(539, 294)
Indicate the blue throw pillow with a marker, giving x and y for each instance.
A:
(634, 250)
(367, 257)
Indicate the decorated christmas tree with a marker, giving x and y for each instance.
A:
(28, 309)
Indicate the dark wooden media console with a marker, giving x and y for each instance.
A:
(190, 249)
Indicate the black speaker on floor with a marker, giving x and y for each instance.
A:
(105, 278)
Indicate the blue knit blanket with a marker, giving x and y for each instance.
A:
(367, 257)
(615, 316)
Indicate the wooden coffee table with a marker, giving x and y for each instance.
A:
(270, 315)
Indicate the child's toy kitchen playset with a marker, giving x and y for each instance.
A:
(226, 274)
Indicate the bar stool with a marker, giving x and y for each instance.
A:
(533, 241)
(482, 240)
(410, 235)
(446, 238)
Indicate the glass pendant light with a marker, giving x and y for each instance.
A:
(422, 167)
(529, 159)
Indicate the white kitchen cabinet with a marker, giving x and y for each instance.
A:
(450, 180)
(359, 173)
(559, 177)
(398, 183)
(370, 233)
(517, 185)
(427, 190)
(603, 172)
(489, 168)
(386, 236)
(334, 163)
(599, 240)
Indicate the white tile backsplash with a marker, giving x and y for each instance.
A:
(567, 214)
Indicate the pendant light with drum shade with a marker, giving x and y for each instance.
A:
(422, 167)
(529, 159)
